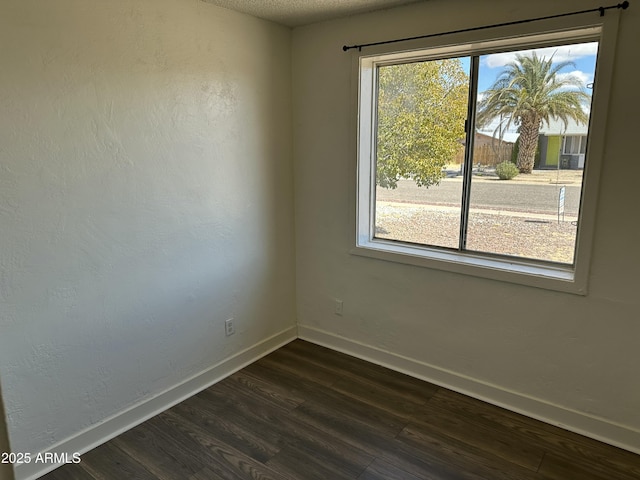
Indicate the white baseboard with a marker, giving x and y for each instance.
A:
(115, 425)
(578, 422)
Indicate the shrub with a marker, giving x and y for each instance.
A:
(506, 170)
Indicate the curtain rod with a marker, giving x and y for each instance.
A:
(624, 5)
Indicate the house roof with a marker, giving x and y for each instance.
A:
(487, 137)
(557, 127)
(509, 137)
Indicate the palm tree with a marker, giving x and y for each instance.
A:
(528, 92)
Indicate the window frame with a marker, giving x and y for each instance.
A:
(546, 275)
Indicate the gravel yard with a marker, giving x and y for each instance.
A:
(506, 233)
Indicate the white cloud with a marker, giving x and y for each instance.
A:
(583, 77)
(560, 54)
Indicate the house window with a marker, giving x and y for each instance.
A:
(442, 131)
(575, 145)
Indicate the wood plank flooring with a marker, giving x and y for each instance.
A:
(306, 412)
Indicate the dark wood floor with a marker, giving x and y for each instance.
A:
(306, 412)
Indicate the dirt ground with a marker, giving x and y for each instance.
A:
(518, 235)
(563, 177)
(406, 216)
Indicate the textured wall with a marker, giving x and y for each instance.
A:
(6, 471)
(146, 195)
(579, 353)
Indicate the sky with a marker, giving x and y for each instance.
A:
(583, 56)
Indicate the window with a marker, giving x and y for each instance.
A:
(575, 144)
(443, 129)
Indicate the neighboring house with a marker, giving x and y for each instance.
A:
(562, 144)
(485, 137)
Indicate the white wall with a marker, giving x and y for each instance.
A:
(570, 359)
(146, 195)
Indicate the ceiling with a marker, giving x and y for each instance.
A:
(294, 13)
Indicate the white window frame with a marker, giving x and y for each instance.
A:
(564, 278)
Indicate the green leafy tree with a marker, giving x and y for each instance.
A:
(421, 111)
(528, 92)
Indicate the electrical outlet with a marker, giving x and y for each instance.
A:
(229, 327)
(338, 308)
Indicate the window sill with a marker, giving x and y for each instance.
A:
(545, 276)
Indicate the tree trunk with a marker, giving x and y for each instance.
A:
(529, 131)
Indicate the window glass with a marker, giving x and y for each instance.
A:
(420, 145)
(534, 214)
(517, 193)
